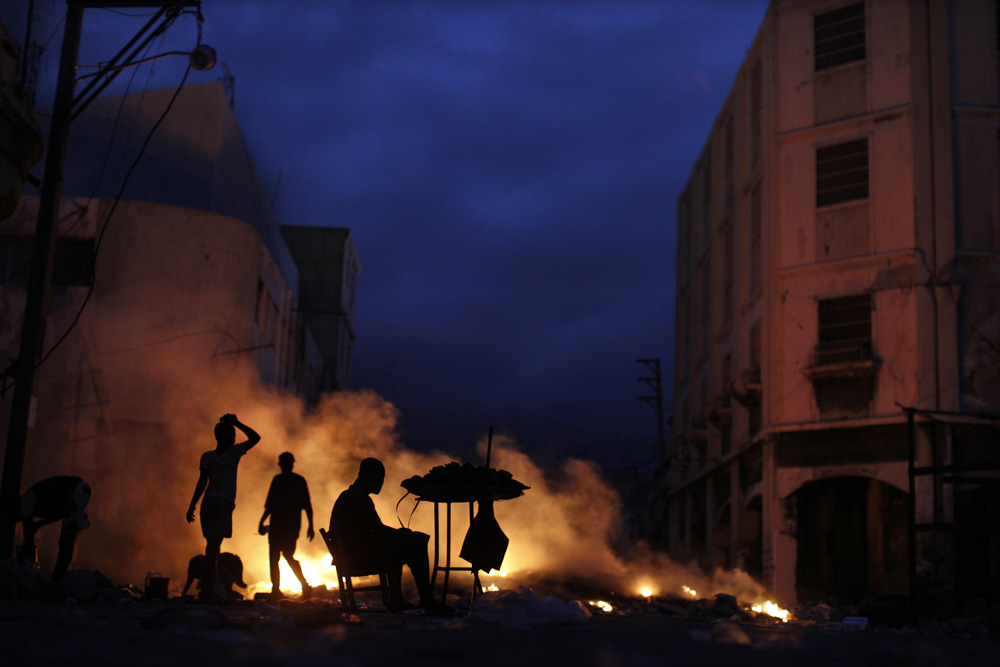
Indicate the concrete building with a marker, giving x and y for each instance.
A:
(328, 274)
(21, 138)
(839, 261)
(193, 283)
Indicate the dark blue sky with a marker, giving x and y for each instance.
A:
(509, 171)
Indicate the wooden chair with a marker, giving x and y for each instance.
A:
(346, 572)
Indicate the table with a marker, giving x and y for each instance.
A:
(448, 495)
(447, 568)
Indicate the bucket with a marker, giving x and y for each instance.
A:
(156, 586)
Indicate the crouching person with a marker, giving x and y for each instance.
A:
(61, 498)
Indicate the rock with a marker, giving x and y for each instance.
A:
(102, 581)
(853, 624)
(78, 585)
(728, 632)
(22, 580)
(725, 605)
(974, 607)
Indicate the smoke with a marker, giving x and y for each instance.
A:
(563, 528)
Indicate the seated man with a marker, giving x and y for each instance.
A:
(365, 539)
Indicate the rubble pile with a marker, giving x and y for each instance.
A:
(521, 610)
(23, 580)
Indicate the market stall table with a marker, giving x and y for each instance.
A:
(458, 484)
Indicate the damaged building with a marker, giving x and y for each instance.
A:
(165, 288)
(837, 370)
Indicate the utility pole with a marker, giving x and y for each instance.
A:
(39, 279)
(40, 276)
(655, 399)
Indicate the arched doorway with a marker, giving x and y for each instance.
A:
(852, 539)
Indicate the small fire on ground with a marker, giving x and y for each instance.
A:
(320, 573)
(767, 608)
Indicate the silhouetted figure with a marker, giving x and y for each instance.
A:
(485, 543)
(366, 539)
(63, 498)
(287, 498)
(228, 573)
(218, 482)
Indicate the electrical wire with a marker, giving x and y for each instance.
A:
(107, 153)
(114, 206)
(107, 221)
(121, 13)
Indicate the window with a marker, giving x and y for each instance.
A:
(756, 106)
(727, 164)
(725, 429)
(842, 172)
(727, 274)
(266, 311)
(706, 203)
(845, 330)
(756, 234)
(705, 286)
(839, 36)
(755, 413)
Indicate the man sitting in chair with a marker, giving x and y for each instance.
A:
(366, 540)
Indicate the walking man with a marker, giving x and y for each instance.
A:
(218, 482)
(286, 500)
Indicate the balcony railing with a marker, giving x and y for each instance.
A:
(843, 359)
(829, 354)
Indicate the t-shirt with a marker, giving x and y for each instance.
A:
(357, 524)
(221, 469)
(287, 497)
(57, 497)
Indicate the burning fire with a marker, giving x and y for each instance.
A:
(318, 572)
(646, 592)
(771, 609)
(602, 605)
(690, 591)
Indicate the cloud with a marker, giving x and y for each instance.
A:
(509, 172)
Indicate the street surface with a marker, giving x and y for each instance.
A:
(176, 632)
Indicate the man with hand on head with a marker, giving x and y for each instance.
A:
(218, 482)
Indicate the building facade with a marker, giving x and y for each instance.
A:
(21, 138)
(838, 271)
(170, 298)
(328, 277)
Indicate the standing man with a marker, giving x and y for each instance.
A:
(286, 499)
(218, 482)
(53, 499)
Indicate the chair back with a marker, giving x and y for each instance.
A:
(340, 558)
(331, 544)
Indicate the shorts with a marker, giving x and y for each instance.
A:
(217, 517)
(282, 540)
